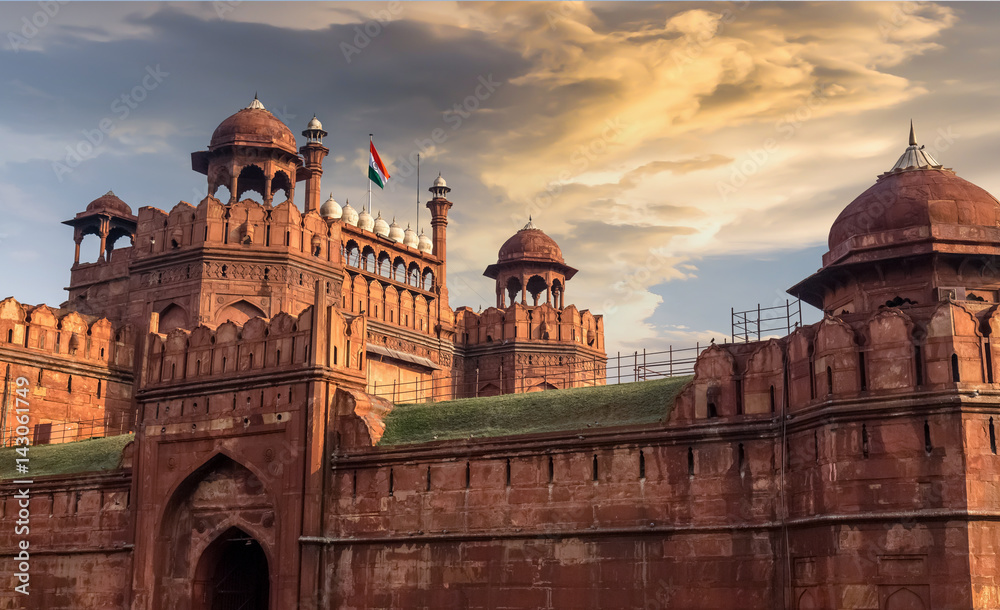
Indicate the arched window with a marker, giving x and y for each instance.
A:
(353, 254)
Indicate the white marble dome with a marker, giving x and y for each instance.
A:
(350, 215)
(330, 209)
(410, 237)
(395, 231)
(439, 181)
(424, 243)
(381, 226)
(365, 220)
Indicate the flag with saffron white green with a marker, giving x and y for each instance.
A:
(376, 169)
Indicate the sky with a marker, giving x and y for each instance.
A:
(689, 158)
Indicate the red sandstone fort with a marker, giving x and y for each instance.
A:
(308, 414)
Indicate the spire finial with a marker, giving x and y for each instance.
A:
(913, 138)
(255, 104)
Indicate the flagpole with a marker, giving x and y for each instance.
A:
(371, 142)
(418, 191)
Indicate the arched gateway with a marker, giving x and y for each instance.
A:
(232, 574)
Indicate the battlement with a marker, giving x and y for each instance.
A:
(525, 323)
(894, 351)
(282, 343)
(244, 223)
(70, 336)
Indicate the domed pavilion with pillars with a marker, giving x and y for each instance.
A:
(530, 262)
(524, 345)
(883, 413)
(254, 151)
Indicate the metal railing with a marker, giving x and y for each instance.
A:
(52, 433)
(753, 324)
(517, 378)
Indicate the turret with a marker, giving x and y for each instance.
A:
(313, 153)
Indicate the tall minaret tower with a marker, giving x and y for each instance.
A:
(313, 153)
(439, 207)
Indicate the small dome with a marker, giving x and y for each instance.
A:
(381, 226)
(395, 231)
(439, 181)
(530, 243)
(915, 202)
(314, 124)
(424, 243)
(109, 202)
(410, 237)
(331, 209)
(350, 215)
(365, 220)
(253, 126)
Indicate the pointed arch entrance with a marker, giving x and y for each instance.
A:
(218, 526)
(232, 574)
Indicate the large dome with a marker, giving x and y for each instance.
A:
(915, 206)
(109, 202)
(530, 244)
(253, 126)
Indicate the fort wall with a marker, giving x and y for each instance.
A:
(80, 542)
(79, 370)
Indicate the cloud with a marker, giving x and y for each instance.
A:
(614, 125)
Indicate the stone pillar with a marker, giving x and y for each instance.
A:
(234, 180)
(76, 256)
(267, 190)
(103, 232)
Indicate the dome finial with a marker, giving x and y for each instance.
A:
(255, 104)
(913, 138)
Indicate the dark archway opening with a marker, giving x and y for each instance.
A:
(234, 574)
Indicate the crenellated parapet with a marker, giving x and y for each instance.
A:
(77, 370)
(246, 223)
(520, 322)
(258, 347)
(891, 352)
(42, 332)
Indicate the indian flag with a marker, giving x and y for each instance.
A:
(376, 169)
